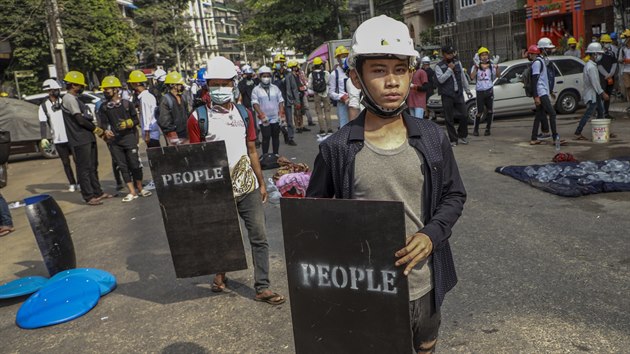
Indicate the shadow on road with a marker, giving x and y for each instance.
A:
(57, 191)
(184, 347)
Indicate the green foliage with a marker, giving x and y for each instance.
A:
(157, 24)
(303, 25)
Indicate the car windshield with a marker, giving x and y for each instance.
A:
(514, 74)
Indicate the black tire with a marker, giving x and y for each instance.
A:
(567, 102)
(4, 175)
(50, 153)
(471, 109)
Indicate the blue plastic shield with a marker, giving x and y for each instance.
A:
(22, 286)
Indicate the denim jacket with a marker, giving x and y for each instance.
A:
(443, 194)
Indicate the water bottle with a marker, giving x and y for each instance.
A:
(557, 142)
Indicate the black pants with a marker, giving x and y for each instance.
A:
(451, 107)
(125, 153)
(153, 143)
(608, 89)
(485, 102)
(115, 168)
(64, 152)
(545, 108)
(86, 159)
(270, 132)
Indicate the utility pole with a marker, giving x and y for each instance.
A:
(371, 8)
(179, 64)
(57, 45)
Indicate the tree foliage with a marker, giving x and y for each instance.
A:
(303, 25)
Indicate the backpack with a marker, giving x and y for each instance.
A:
(319, 81)
(202, 118)
(527, 78)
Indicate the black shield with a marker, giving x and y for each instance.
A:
(346, 294)
(198, 208)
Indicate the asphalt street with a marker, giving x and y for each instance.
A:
(537, 272)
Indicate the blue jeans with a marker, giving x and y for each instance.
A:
(250, 209)
(417, 112)
(342, 113)
(5, 214)
(590, 107)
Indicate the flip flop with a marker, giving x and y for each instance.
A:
(94, 201)
(536, 142)
(219, 287)
(5, 230)
(270, 299)
(580, 137)
(105, 196)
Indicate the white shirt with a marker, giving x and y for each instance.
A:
(624, 53)
(269, 101)
(338, 76)
(485, 77)
(538, 68)
(57, 126)
(354, 96)
(148, 105)
(592, 87)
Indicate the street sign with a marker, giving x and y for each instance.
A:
(23, 73)
(346, 294)
(198, 208)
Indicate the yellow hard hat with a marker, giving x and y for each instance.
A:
(279, 58)
(292, 63)
(173, 78)
(341, 50)
(110, 81)
(75, 77)
(625, 33)
(137, 76)
(318, 61)
(605, 38)
(571, 41)
(483, 50)
(435, 52)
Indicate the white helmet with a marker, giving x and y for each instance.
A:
(594, 48)
(425, 60)
(50, 84)
(545, 43)
(264, 70)
(379, 36)
(160, 74)
(247, 69)
(219, 68)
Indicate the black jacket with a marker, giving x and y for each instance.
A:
(443, 195)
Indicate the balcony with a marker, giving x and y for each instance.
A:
(416, 7)
(225, 35)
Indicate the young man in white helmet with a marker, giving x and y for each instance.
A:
(222, 119)
(594, 95)
(386, 154)
(542, 81)
(51, 120)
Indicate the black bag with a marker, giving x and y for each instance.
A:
(269, 161)
(319, 81)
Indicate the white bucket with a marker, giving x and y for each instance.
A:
(600, 130)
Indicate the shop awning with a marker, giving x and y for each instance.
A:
(321, 51)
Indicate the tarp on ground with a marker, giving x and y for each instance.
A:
(570, 186)
(20, 118)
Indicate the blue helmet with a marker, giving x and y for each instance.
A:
(200, 73)
(344, 65)
(613, 35)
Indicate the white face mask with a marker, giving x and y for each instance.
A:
(221, 95)
(265, 80)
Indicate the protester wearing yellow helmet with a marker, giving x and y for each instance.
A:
(173, 113)
(136, 77)
(337, 87)
(288, 85)
(573, 51)
(147, 106)
(80, 131)
(484, 71)
(318, 83)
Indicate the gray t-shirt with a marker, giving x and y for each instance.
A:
(396, 175)
(77, 133)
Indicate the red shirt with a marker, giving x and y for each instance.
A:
(418, 99)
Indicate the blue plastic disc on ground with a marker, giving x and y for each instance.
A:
(59, 302)
(105, 280)
(22, 286)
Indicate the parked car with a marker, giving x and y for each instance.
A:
(21, 120)
(91, 99)
(509, 94)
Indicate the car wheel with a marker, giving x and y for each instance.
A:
(50, 152)
(567, 102)
(4, 174)
(471, 110)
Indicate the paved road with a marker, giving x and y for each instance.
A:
(538, 273)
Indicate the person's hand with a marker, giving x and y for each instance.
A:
(605, 96)
(44, 144)
(451, 65)
(263, 193)
(476, 60)
(469, 94)
(537, 101)
(419, 247)
(98, 131)
(495, 59)
(298, 107)
(345, 98)
(147, 136)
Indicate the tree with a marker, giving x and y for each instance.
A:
(303, 25)
(162, 30)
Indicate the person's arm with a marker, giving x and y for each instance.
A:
(43, 121)
(442, 76)
(280, 103)
(256, 105)
(425, 85)
(192, 126)
(165, 120)
(310, 81)
(321, 182)
(253, 156)
(332, 86)
(536, 70)
(473, 72)
(464, 79)
(593, 77)
(497, 70)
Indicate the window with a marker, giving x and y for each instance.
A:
(515, 73)
(467, 3)
(569, 67)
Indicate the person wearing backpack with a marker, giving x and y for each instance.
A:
(223, 120)
(337, 86)
(318, 82)
(542, 82)
(287, 83)
(119, 120)
(172, 112)
(484, 71)
(593, 95)
(51, 119)
(607, 68)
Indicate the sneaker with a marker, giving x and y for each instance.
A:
(486, 133)
(305, 129)
(292, 143)
(129, 197)
(72, 188)
(463, 141)
(150, 186)
(543, 136)
(476, 133)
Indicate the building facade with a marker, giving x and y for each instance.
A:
(420, 19)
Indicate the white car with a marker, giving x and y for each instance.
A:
(509, 94)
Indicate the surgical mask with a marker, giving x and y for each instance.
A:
(597, 57)
(607, 45)
(221, 94)
(265, 80)
(278, 66)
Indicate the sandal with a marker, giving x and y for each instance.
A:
(218, 287)
(272, 298)
(5, 230)
(536, 142)
(580, 137)
(145, 193)
(94, 201)
(104, 196)
(129, 197)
